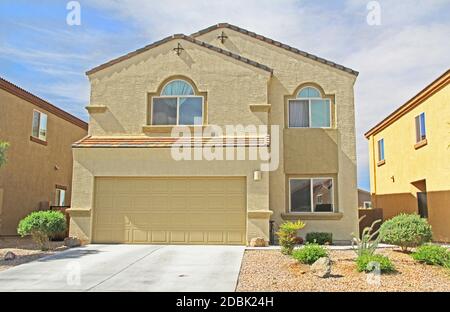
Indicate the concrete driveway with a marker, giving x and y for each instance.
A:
(130, 268)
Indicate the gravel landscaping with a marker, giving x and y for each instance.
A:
(269, 270)
(25, 249)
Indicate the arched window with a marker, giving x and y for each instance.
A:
(177, 105)
(309, 110)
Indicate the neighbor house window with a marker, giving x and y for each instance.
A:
(367, 205)
(311, 195)
(39, 129)
(421, 133)
(60, 197)
(177, 105)
(309, 110)
(381, 150)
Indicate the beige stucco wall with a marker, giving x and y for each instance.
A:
(306, 151)
(29, 177)
(391, 183)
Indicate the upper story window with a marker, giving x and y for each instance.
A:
(177, 104)
(309, 110)
(39, 129)
(421, 133)
(381, 150)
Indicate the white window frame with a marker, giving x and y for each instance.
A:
(309, 109)
(58, 198)
(178, 103)
(39, 126)
(312, 195)
(367, 202)
(420, 127)
(379, 150)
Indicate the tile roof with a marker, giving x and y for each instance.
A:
(275, 43)
(31, 98)
(419, 98)
(167, 142)
(181, 37)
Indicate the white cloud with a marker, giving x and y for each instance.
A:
(395, 60)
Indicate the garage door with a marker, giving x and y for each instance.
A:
(170, 210)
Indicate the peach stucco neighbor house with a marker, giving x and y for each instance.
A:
(128, 188)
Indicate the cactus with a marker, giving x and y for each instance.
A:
(367, 244)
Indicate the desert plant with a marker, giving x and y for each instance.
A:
(369, 240)
(406, 230)
(3, 147)
(310, 253)
(287, 235)
(368, 263)
(433, 255)
(40, 225)
(319, 238)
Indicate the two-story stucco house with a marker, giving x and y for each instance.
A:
(129, 188)
(38, 171)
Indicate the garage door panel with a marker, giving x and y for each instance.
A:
(170, 210)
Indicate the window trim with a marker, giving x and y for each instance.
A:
(157, 94)
(329, 98)
(367, 202)
(312, 196)
(380, 160)
(60, 189)
(422, 136)
(34, 138)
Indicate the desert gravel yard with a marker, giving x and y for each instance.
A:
(269, 270)
(25, 249)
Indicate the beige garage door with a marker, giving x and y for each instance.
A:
(170, 210)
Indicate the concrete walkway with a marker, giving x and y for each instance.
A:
(130, 268)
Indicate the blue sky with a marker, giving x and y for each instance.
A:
(411, 47)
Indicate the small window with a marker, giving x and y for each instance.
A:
(309, 110)
(367, 205)
(381, 150)
(421, 133)
(311, 195)
(60, 199)
(177, 105)
(39, 129)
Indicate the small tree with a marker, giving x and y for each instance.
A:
(40, 225)
(406, 231)
(287, 235)
(3, 147)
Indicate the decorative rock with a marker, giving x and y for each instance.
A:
(322, 267)
(9, 256)
(258, 242)
(72, 242)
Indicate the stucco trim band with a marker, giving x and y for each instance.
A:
(313, 216)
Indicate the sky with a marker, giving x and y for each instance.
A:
(398, 57)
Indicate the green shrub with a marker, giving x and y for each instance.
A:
(433, 255)
(319, 238)
(3, 147)
(287, 236)
(369, 240)
(406, 230)
(368, 263)
(40, 225)
(310, 253)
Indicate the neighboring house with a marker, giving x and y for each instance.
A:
(364, 199)
(38, 171)
(410, 158)
(128, 188)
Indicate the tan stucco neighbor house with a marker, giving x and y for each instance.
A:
(38, 171)
(127, 186)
